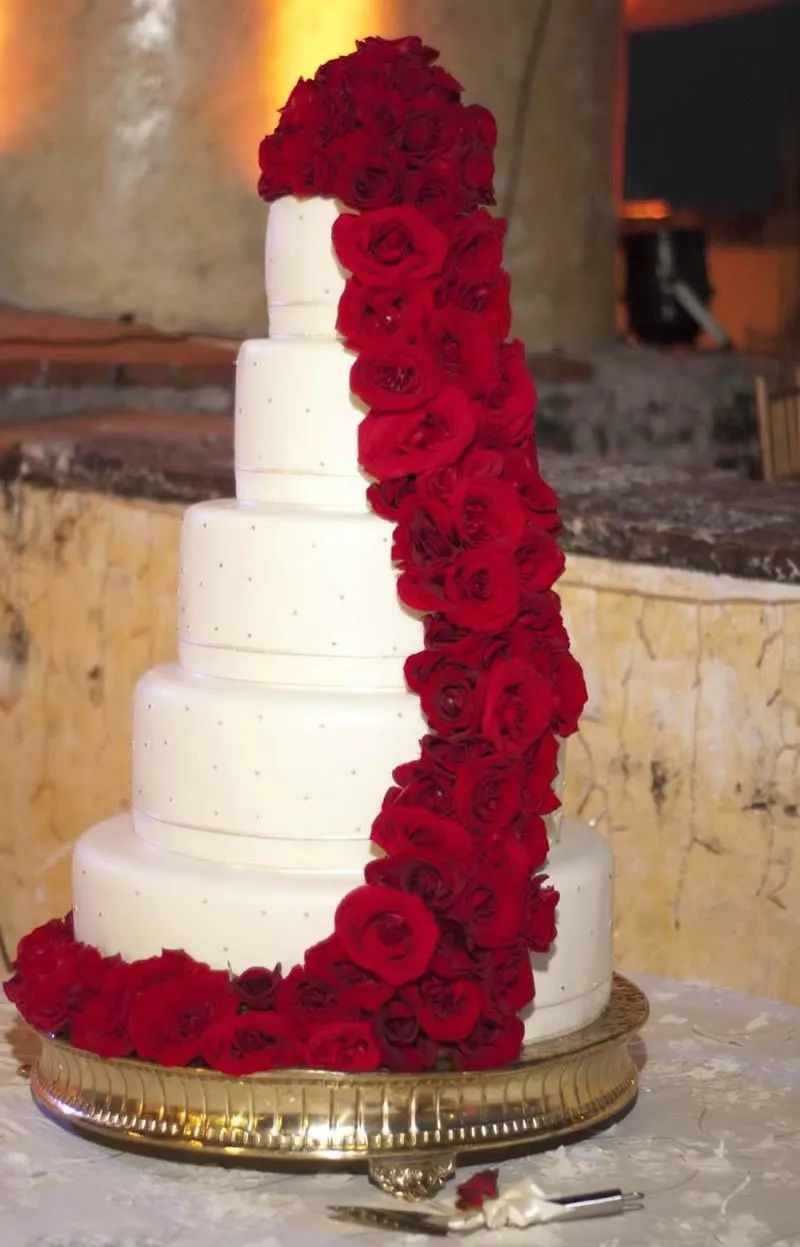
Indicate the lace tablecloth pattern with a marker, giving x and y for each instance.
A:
(714, 1142)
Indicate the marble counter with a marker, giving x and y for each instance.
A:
(714, 1142)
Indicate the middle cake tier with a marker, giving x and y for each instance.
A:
(295, 596)
(248, 774)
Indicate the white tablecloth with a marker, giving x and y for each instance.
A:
(714, 1142)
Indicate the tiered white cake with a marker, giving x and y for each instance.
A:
(261, 759)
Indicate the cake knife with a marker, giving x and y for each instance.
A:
(441, 1224)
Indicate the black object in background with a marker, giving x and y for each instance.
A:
(655, 260)
(710, 111)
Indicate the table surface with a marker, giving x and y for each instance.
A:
(714, 1142)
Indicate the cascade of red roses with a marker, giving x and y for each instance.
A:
(429, 961)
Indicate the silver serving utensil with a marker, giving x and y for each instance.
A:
(419, 1221)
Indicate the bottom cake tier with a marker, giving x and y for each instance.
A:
(135, 899)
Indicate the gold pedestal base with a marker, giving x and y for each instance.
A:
(409, 1130)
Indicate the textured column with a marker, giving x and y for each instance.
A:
(128, 137)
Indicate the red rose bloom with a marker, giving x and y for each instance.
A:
(539, 919)
(508, 975)
(430, 129)
(54, 992)
(495, 1040)
(479, 126)
(456, 956)
(541, 562)
(390, 246)
(250, 1043)
(492, 903)
(168, 1022)
(438, 884)
(450, 692)
(518, 707)
(422, 787)
(476, 1190)
(169, 964)
(393, 378)
(101, 1026)
(347, 1047)
(356, 987)
(462, 349)
(481, 590)
(487, 512)
(401, 828)
(386, 931)
(425, 534)
(366, 174)
(476, 246)
(571, 692)
(44, 942)
(487, 794)
(403, 1046)
(307, 1000)
(367, 313)
(257, 987)
(507, 404)
(447, 1008)
(487, 297)
(416, 441)
(434, 188)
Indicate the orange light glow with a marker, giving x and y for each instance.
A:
(646, 210)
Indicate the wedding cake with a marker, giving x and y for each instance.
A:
(354, 767)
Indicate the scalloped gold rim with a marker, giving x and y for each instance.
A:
(561, 1087)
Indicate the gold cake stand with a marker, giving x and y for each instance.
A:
(409, 1130)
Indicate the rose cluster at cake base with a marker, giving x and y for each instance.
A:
(429, 962)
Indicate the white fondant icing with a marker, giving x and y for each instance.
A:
(260, 763)
(135, 899)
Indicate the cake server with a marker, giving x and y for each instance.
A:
(521, 1206)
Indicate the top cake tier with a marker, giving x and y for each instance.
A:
(304, 279)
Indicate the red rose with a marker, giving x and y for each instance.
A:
(168, 1022)
(456, 956)
(571, 692)
(481, 589)
(347, 1047)
(450, 692)
(518, 707)
(101, 1026)
(404, 1049)
(356, 987)
(496, 1040)
(479, 126)
(423, 787)
(425, 534)
(541, 562)
(386, 931)
(401, 828)
(370, 312)
(447, 1008)
(434, 188)
(272, 182)
(476, 246)
(308, 1000)
(477, 172)
(477, 464)
(505, 412)
(257, 987)
(488, 512)
(448, 757)
(438, 884)
(508, 976)
(393, 377)
(171, 963)
(382, 110)
(492, 902)
(461, 348)
(393, 51)
(539, 918)
(43, 942)
(540, 625)
(487, 297)
(458, 643)
(250, 1043)
(430, 129)
(530, 833)
(386, 497)
(54, 994)
(540, 501)
(367, 174)
(476, 1190)
(540, 767)
(416, 441)
(487, 794)
(389, 246)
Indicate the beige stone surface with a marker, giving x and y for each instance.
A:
(129, 132)
(689, 755)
